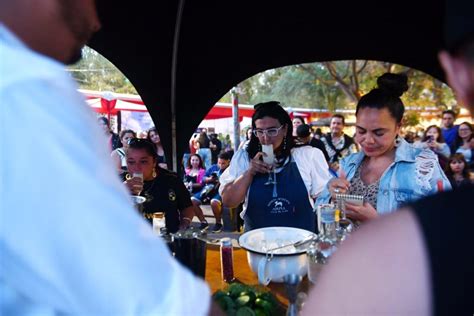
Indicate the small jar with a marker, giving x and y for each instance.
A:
(159, 223)
(227, 260)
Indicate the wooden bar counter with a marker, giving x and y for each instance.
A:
(242, 273)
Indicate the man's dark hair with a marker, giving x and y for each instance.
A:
(304, 130)
(448, 112)
(225, 155)
(339, 116)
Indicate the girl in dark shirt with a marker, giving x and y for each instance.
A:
(163, 190)
(457, 171)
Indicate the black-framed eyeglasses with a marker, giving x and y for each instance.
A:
(270, 132)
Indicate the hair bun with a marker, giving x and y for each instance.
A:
(394, 84)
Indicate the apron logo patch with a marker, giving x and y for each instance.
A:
(279, 205)
(171, 195)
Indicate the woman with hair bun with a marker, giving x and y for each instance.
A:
(388, 172)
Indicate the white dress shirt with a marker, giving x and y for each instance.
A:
(70, 240)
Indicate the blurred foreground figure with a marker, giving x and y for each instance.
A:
(417, 261)
(70, 239)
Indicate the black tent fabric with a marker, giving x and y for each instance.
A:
(183, 56)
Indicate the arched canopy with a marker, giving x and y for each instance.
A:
(221, 43)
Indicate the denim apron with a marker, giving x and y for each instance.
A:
(285, 203)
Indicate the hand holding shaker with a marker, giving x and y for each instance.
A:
(227, 260)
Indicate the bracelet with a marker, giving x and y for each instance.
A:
(186, 218)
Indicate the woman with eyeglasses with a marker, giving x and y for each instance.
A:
(464, 143)
(118, 155)
(164, 191)
(388, 172)
(279, 194)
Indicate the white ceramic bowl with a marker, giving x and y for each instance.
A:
(286, 261)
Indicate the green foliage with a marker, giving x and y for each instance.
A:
(329, 85)
(95, 72)
(411, 118)
(338, 85)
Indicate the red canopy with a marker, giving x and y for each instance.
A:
(224, 110)
(110, 103)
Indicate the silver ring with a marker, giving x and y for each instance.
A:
(336, 190)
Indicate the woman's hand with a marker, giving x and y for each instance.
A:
(434, 145)
(360, 212)
(258, 166)
(339, 185)
(134, 185)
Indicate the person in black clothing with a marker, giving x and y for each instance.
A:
(418, 260)
(216, 146)
(164, 191)
(303, 133)
(113, 139)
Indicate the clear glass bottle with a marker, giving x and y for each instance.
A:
(227, 260)
(318, 254)
(327, 224)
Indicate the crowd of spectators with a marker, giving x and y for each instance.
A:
(366, 164)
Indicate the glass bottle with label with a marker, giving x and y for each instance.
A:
(327, 224)
(159, 223)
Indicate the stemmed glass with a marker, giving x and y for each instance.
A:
(269, 158)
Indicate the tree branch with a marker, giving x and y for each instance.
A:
(356, 79)
(314, 73)
(345, 88)
(362, 68)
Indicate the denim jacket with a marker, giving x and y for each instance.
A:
(413, 174)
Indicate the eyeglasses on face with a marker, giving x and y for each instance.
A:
(270, 132)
